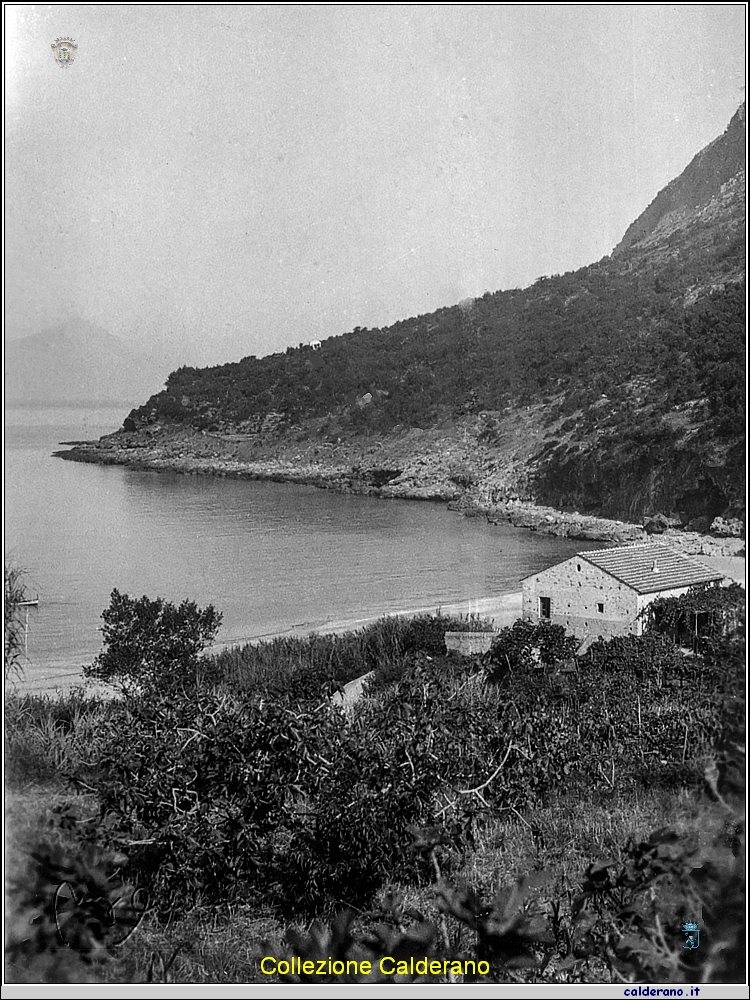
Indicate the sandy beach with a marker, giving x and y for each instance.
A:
(502, 610)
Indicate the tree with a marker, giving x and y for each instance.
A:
(152, 645)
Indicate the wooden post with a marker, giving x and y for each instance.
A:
(26, 605)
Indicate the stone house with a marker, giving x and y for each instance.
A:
(603, 592)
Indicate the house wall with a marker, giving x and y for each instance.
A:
(575, 588)
(574, 594)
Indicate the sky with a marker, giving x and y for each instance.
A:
(209, 181)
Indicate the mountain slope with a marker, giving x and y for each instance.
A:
(76, 364)
(617, 389)
(696, 187)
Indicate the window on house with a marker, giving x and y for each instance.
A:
(578, 567)
(600, 608)
(545, 607)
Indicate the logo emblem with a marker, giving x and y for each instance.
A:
(692, 935)
(64, 50)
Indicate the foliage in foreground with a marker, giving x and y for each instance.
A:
(626, 915)
(71, 910)
(299, 668)
(217, 796)
(620, 922)
(218, 799)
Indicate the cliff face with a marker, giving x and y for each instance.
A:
(617, 389)
(697, 192)
(681, 479)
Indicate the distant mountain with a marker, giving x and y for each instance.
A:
(615, 389)
(77, 364)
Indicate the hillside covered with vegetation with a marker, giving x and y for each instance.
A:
(632, 371)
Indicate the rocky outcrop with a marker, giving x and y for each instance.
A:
(732, 528)
(699, 184)
(668, 483)
(657, 524)
(427, 477)
(548, 521)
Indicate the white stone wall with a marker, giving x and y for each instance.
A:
(576, 590)
(469, 643)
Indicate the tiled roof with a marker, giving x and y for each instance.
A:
(651, 567)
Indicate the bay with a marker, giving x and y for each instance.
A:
(269, 556)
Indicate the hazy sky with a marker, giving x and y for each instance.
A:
(218, 180)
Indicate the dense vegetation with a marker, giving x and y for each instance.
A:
(572, 338)
(638, 360)
(220, 789)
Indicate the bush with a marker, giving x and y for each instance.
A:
(300, 668)
(152, 645)
(525, 645)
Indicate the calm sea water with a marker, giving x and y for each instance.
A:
(267, 555)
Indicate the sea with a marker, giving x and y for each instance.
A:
(269, 556)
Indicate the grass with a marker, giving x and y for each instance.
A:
(47, 736)
(271, 667)
(551, 847)
(201, 947)
(559, 841)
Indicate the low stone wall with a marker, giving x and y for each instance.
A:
(469, 643)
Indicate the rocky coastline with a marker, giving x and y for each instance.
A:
(425, 478)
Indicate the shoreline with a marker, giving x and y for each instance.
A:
(169, 452)
(184, 453)
(502, 610)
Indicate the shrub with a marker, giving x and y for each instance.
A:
(524, 645)
(152, 645)
(68, 907)
(718, 611)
